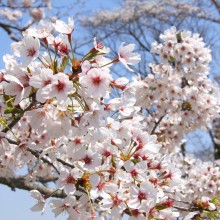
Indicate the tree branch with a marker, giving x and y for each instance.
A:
(156, 124)
(20, 183)
(37, 155)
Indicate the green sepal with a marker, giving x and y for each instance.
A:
(64, 63)
(179, 38)
(160, 207)
(3, 121)
(172, 59)
(28, 70)
(213, 215)
(9, 100)
(216, 201)
(54, 66)
(10, 110)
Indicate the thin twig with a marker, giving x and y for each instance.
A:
(156, 124)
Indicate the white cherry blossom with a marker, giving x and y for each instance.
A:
(27, 49)
(64, 28)
(127, 57)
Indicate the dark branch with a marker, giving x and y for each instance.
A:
(156, 124)
(20, 183)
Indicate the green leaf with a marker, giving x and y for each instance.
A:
(64, 63)
(160, 207)
(54, 66)
(213, 215)
(179, 38)
(12, 110)
(172, 59)
(215, 200)
(9, 100)
(3, 121)
(28, 70)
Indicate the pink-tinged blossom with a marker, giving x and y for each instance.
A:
(145, 143)
(12, 14)
(40, 206)
(96, 82)
(136, 171)
(99, 46)
(206, 202)
(68, 180)
(114, 203)
(14, 87)
(63, 27)
(89, 159)
(169, 35)
(27, 49)
(38, 117)
(42, 30)
(69, 205)
(9, 61)
(190, 215)
(37, 14)
(167, 214)
(28, 3)
(102, 62)
(127, 57)
(41, 82)
(54, 41)
(62, 41)
(145, 192)
(59, 88)
(86, 66)
(100, 188)
(58, 123)
(8, 160)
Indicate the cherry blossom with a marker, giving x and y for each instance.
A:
(68, 180)
(67, 205)
(40, 82)
(27, 49)
(100, 47)
(127, 57)
(59, 86)
(96, 82)
(64, 28)
(41, 201)
(42, 30)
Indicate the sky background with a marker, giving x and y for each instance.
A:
(16, 205)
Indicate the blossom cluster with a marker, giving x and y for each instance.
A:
(178, 92)
(131, 11)
(203, 178)
(108, 156)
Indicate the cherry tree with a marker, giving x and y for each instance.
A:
(107, 157)
(13, 14)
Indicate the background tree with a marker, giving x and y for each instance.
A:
(17, 15)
